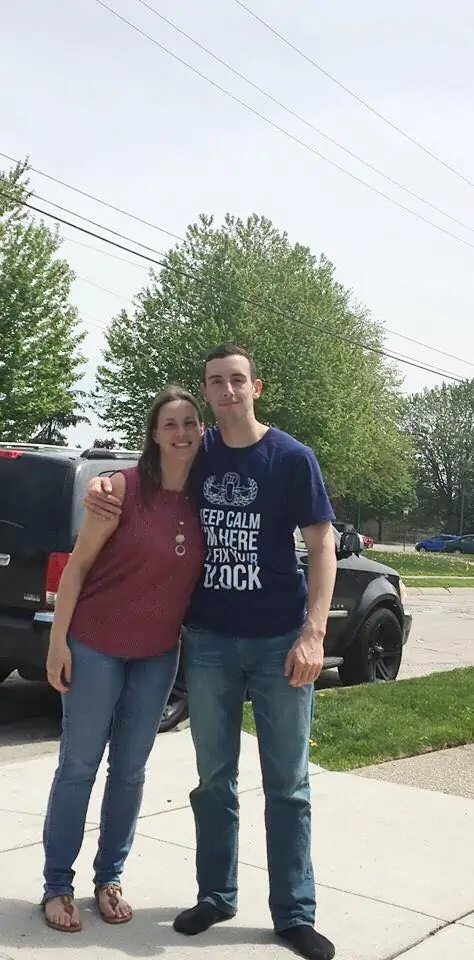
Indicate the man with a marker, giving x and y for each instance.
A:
(254, 629)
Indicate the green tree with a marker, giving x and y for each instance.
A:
(391, 487)
(40, 358)
(52, 430)
(245, 282)
(441, 423)
(105, 444)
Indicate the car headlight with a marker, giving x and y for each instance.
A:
(403, 592)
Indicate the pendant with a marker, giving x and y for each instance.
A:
(180, 540)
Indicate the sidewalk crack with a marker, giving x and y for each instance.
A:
(326, 886)
(416, 943)
(443, 926)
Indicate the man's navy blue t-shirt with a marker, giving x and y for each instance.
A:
(251, 499)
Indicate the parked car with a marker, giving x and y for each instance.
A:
(368, 541)
(434, 544)
(343, 526)
(346, 527)
(463, 544)
(41, 493)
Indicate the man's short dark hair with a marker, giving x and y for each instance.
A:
(229, 350)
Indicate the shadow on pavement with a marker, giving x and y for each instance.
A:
(148, 935)
(30, 712)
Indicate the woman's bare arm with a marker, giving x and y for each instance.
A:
(93, 535)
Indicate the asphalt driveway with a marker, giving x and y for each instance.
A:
(442, 636)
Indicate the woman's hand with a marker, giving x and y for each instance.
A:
(59, 666)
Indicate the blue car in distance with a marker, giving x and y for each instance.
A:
(434, 544)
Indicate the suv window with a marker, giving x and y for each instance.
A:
(85, 471)
(33, 494)
(41, 499)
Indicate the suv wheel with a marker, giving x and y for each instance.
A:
(176, 709)
(375, 654)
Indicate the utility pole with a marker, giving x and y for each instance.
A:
(463, 498)
(405, 524)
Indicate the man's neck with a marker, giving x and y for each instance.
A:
(242, 434)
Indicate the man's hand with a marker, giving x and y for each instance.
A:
(59, 666)
(100, 501)
(305, 659)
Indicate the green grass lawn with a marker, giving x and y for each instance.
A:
(357, 726)
(445, 582)
(437, 564)
(428, 569)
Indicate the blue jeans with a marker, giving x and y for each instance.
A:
(221, 670)
(114, 699)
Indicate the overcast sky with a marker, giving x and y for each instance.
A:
(93, 103)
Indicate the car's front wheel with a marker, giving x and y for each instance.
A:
(175, 712)
(176, 709)
(375, 654)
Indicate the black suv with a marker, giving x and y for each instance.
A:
(41, 493)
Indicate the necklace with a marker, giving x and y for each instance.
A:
(180, 540)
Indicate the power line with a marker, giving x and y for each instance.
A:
(94, 223)
(90, 196)
(286, 133)
(355, 96)
(139, 266)
(297, 116)
(113, 293)
(101, 325)
(419, 343)
(90, 233)
(92, 321)
(105, 253)
(168, 232)
(409, 361)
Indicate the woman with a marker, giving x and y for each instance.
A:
(114, 651)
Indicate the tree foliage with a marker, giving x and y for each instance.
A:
(52, 430)
(441, 423)
(105, 444)
(317, 350)
(40, 358)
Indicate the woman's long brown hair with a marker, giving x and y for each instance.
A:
(149, 464)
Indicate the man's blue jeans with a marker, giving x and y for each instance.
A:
(116, 699)
(221, 670)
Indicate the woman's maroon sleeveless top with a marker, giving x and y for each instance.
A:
(135, 595)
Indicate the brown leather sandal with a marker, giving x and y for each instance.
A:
(67, 901)
(112, 891)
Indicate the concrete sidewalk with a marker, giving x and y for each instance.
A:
(445, 771)
(394, 867)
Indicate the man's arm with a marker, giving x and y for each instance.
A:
(305, 659)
